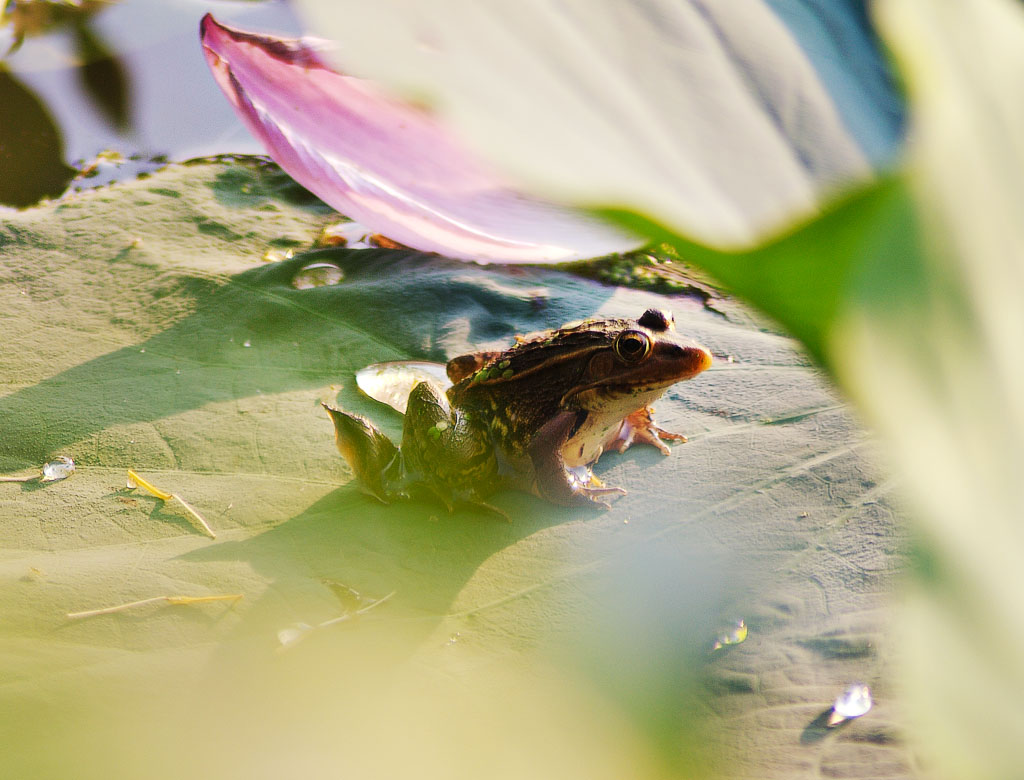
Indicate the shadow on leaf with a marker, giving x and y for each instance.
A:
(256, 334)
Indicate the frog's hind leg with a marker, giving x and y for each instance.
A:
(445, 453)
(452, 502)
(368, 451)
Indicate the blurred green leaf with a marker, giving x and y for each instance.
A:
(863, 248)
(31, 147)
(142, 331)
(103, 76)
(961, 437)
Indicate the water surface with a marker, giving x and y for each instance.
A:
(106, 87)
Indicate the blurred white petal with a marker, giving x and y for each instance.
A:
(708, 117)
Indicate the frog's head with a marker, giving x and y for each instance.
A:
(632, 362)
(600, 365)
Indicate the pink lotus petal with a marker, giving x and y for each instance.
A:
(385, 164)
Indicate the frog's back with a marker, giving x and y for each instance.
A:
(515, 392)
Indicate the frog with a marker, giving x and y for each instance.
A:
(534, 417)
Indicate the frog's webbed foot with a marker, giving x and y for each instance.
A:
(368, 451)
(589, 489)
(570, 488)
(451, 501)
(485, 507)
(555, 481)
(639, 428)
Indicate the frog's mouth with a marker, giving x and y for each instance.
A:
(685, 361)
(598, 395)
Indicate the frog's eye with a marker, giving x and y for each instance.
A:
(632, 345)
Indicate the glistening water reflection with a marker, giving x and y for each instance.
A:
(80, 79)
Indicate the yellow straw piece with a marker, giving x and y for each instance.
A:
(167, 599)
(198, 517)
(203, 599)
(134, 481)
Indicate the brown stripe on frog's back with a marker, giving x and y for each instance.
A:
(549, 348)
(458, 368)
(507, 369)
(520, 388)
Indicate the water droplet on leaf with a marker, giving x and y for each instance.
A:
(289, 636)
(852, 703)
(737, 633)
(317, 275)
(61, 468)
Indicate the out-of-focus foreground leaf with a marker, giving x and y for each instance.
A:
(952, 398)
(142, 331)
(910, 292)
(31, 147)
(709, 117)
(103, 76)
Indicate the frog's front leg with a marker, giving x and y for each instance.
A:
(445, 451)
(639, 427)
(556, 482)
